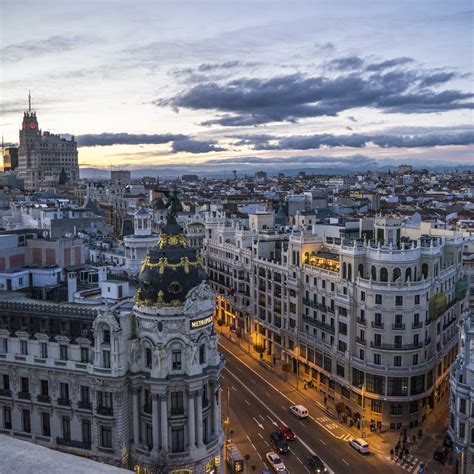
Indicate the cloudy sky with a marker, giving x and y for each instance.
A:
(238, 85)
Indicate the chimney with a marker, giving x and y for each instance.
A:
(71, 286)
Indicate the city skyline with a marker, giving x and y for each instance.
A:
(212, 85)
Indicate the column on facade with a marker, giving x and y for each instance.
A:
(199, 418)
(156, 430)
(136, 416)
(216, 409)
(191, 420)
(164, 422)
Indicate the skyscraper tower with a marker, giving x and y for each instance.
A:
(42, 156)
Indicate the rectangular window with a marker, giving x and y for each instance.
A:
(85, 394)
(3, 345)
(148, 358)
(398, 300)
(377, 340)
(24, 347)
(397, 361)
(357, 377)
(340, 370)
(149, 435)
(202, 354)
(84, 355)
(86, 432)
(63, 352)
(105, 437)
(415, 359)
(44, 388)
(417, 384)
(7, 418)
(417, 299)
(362, 295)
(462, 405)
(378, 320)
(177, 405)
(327, 364)
(376, 406)
(105, 400)
(44, 350)
(176, 360)
(177, 440)
(377, 359)
(343, 328)
(378, 299)
(25, 415)
(45, 424)
(106, 359)
(25, 385)
(414, 406)
(342, 346)
(396, 409)
(397, 341)
(6, 382)
(66, 428)
(64, 392)
(397, 386)
(375, 383)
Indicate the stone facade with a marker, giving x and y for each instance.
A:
(362, 318)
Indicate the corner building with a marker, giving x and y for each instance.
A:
(368, 319)
(134, 385)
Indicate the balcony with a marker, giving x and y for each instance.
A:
(376, 325)
(73, 444)
(448, 323)
(147, 408)
(177, 411)
(417, 325)
(65, 402)
(398, 327)
(362, 321)
(24, 395)
(44, 399)
(106, 411)
(396, 347)
(427, 341)
(361, 341)
(85, 405)
(319, 324)
(5, 392)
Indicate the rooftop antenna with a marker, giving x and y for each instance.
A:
(29, 101)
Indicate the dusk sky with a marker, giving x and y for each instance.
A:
(244, 84)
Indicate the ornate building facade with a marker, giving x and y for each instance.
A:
(136, 384)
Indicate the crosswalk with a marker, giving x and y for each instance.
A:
(332, 426)
(409, 463)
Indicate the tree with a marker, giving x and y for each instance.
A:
(286, 367)
(259, 349)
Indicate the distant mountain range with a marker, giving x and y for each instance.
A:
(176, 172)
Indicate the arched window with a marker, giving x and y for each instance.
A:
(396, 274)
(349, 271)
(361, 270)
(424, 270)
(373, 273)
(408, 274)
(383, 274)
(344, 270)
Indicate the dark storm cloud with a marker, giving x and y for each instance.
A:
(255, 101)
(107, 139)
(54, 44)
(190, 145)
(342, 64)
(310, 142)
(389, 63)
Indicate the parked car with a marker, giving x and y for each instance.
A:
(287, 433)
(439, 454)
(316, 464)
(275, 462)
(299, 410)
(360, 445)
(279, 443)
(448, 442)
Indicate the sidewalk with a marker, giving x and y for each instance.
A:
(434, 427)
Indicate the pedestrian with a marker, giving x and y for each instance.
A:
(413, 439)
(391, 453)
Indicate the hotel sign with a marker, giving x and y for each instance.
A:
(199, 323)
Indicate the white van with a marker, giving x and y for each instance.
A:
(360, 445)
(299, 410)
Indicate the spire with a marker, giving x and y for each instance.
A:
(29, 101)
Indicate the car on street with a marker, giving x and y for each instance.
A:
(275, 462)
(279, 443)
(299, 411)
(439, 454)
(287, 433)
(359, 445)
(316, 464)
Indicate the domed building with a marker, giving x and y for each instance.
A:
(175, 364)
